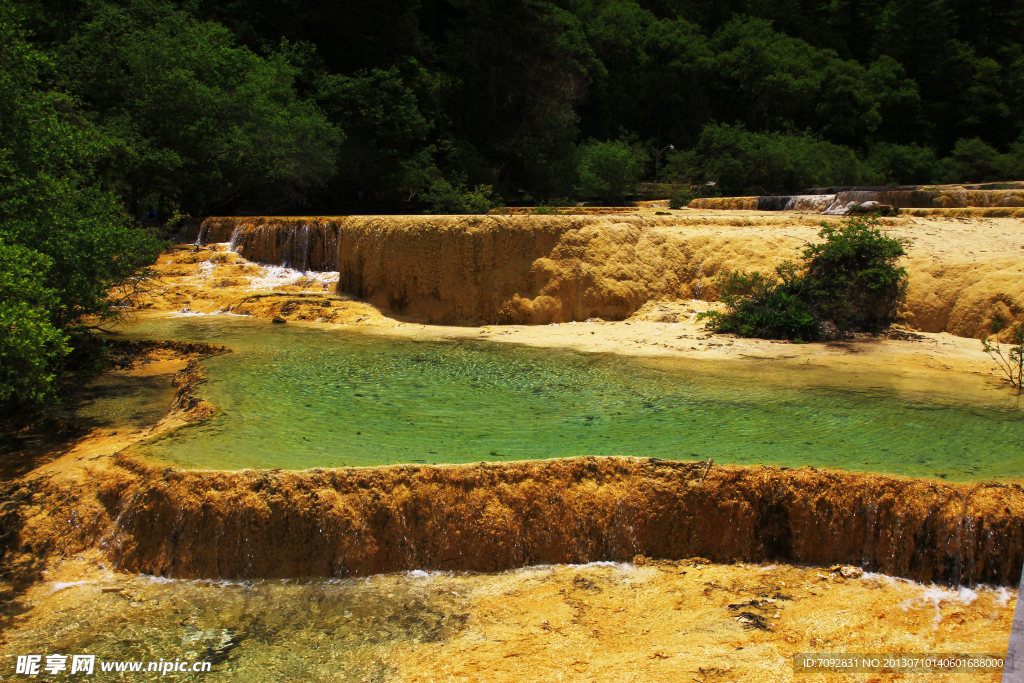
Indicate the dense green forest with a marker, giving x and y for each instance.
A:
(289, 105)
(113, 109)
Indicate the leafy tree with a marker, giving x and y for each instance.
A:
(517, 70)
(610, 170)
(775, 78)
(64, 240)
(31, 348)
(1013, 161)
(681, 166)
(646, 67)
(972, 161)
(899, 101)
(903, 164)
(962, 91)
(208, 105)
(744, 162)
(384, 126)
(193, 117)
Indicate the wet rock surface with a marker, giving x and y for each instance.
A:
(648, 620)
(490, 517)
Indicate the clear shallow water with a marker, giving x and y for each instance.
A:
(295, 630)
(297, 398)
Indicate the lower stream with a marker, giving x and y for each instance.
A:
(296, 397)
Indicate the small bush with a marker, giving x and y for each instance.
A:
(763, 306)
(848, 282)
(1012, 363)
(852, 277)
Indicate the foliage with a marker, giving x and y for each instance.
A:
(446, 197)
(682, 166)
(903, 164)
(1011, 364)
(745, 162)
(852, 277)
(31, 348)
(209, 106)
(763, 306)
(191, 116)
(848, 282)
(610, 170)
(65, 240)
(972, 160)
(385, 127)
(681, 197)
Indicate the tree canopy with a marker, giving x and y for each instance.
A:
(284, 105)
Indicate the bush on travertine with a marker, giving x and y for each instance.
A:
(848, 282)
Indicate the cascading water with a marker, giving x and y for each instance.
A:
(304, 246)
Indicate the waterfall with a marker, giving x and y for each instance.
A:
(299, 244)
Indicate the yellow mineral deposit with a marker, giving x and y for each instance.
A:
(629, 284)
(552, 269)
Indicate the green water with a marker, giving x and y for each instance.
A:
(298, 398)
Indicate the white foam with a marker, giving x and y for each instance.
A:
(276, 276)
(61, 585)
(194, 314)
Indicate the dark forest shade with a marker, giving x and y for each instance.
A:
(425, 101)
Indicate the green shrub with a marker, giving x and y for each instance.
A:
(763, 306)
(848, 282)
(852, 277)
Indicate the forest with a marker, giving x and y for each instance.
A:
(293, 105)
(118, 116)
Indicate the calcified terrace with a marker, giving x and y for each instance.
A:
(412, 273)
